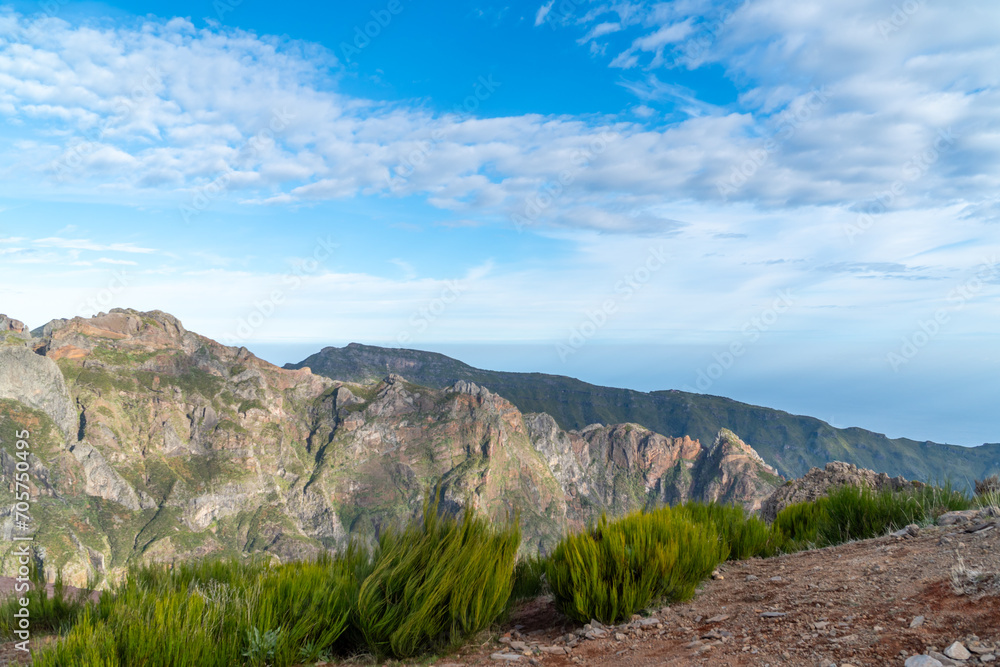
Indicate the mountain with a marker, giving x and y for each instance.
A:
(148, 442)
(792, 444)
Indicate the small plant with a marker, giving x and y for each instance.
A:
(262, 646)
(965, 581)
(988, 485)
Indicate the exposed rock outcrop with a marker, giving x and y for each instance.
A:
(12, 325)
(37, 382)
(818, 481)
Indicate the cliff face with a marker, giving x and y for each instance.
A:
(621, 467)
(150, 442)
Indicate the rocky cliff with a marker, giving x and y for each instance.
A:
(150, 442)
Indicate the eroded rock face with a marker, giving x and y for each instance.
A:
(14, 326)
(818, 481)
(37, 382)
(623, 467)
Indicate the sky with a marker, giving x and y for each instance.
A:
(794, 204)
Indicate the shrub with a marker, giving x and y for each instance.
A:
(616, 568)
(858, 513)
(216, 613)
(746, 536)
(47, 613)
(988, 485)
(437, 583)
(529, 578)
(935, 500)
(797, 525)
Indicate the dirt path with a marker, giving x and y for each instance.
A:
(847, 605)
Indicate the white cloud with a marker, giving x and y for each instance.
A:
(85, 244)
(543, 11)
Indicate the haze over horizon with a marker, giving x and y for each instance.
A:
(789, 204)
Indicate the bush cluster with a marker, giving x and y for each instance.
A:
(438, 582)
(428, 586)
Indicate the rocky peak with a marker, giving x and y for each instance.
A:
(727, 442)
(819, 481)
(470, 388)
(15, 326)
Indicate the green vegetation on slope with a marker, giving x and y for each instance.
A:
(429, 586)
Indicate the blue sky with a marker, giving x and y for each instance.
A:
(748, 199)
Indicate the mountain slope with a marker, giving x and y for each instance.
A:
(151, 443)
(791, 443)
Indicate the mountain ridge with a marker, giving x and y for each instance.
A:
(150, 442)
(794, 444)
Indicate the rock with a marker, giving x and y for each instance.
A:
(518, 646)
(775, 579)
(943, 659)
(773, 614)
(37, 382)
(718, 619)
(989, 657)
(506, 657)
(922, 661)
(751, 577)
(957, 518)
(553, 650)
(818, 481)
(917, 622)
(619, 637)
(957, 651)
(646, 622)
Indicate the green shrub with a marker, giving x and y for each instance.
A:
(858, 513)
(47, 613)
(935, 500)
(436, 584)
(798, 525)
(746, 536)
(617, 568)
(216, 613)
(529, 578)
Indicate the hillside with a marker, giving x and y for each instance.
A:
(149, 442)
(792, 444)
